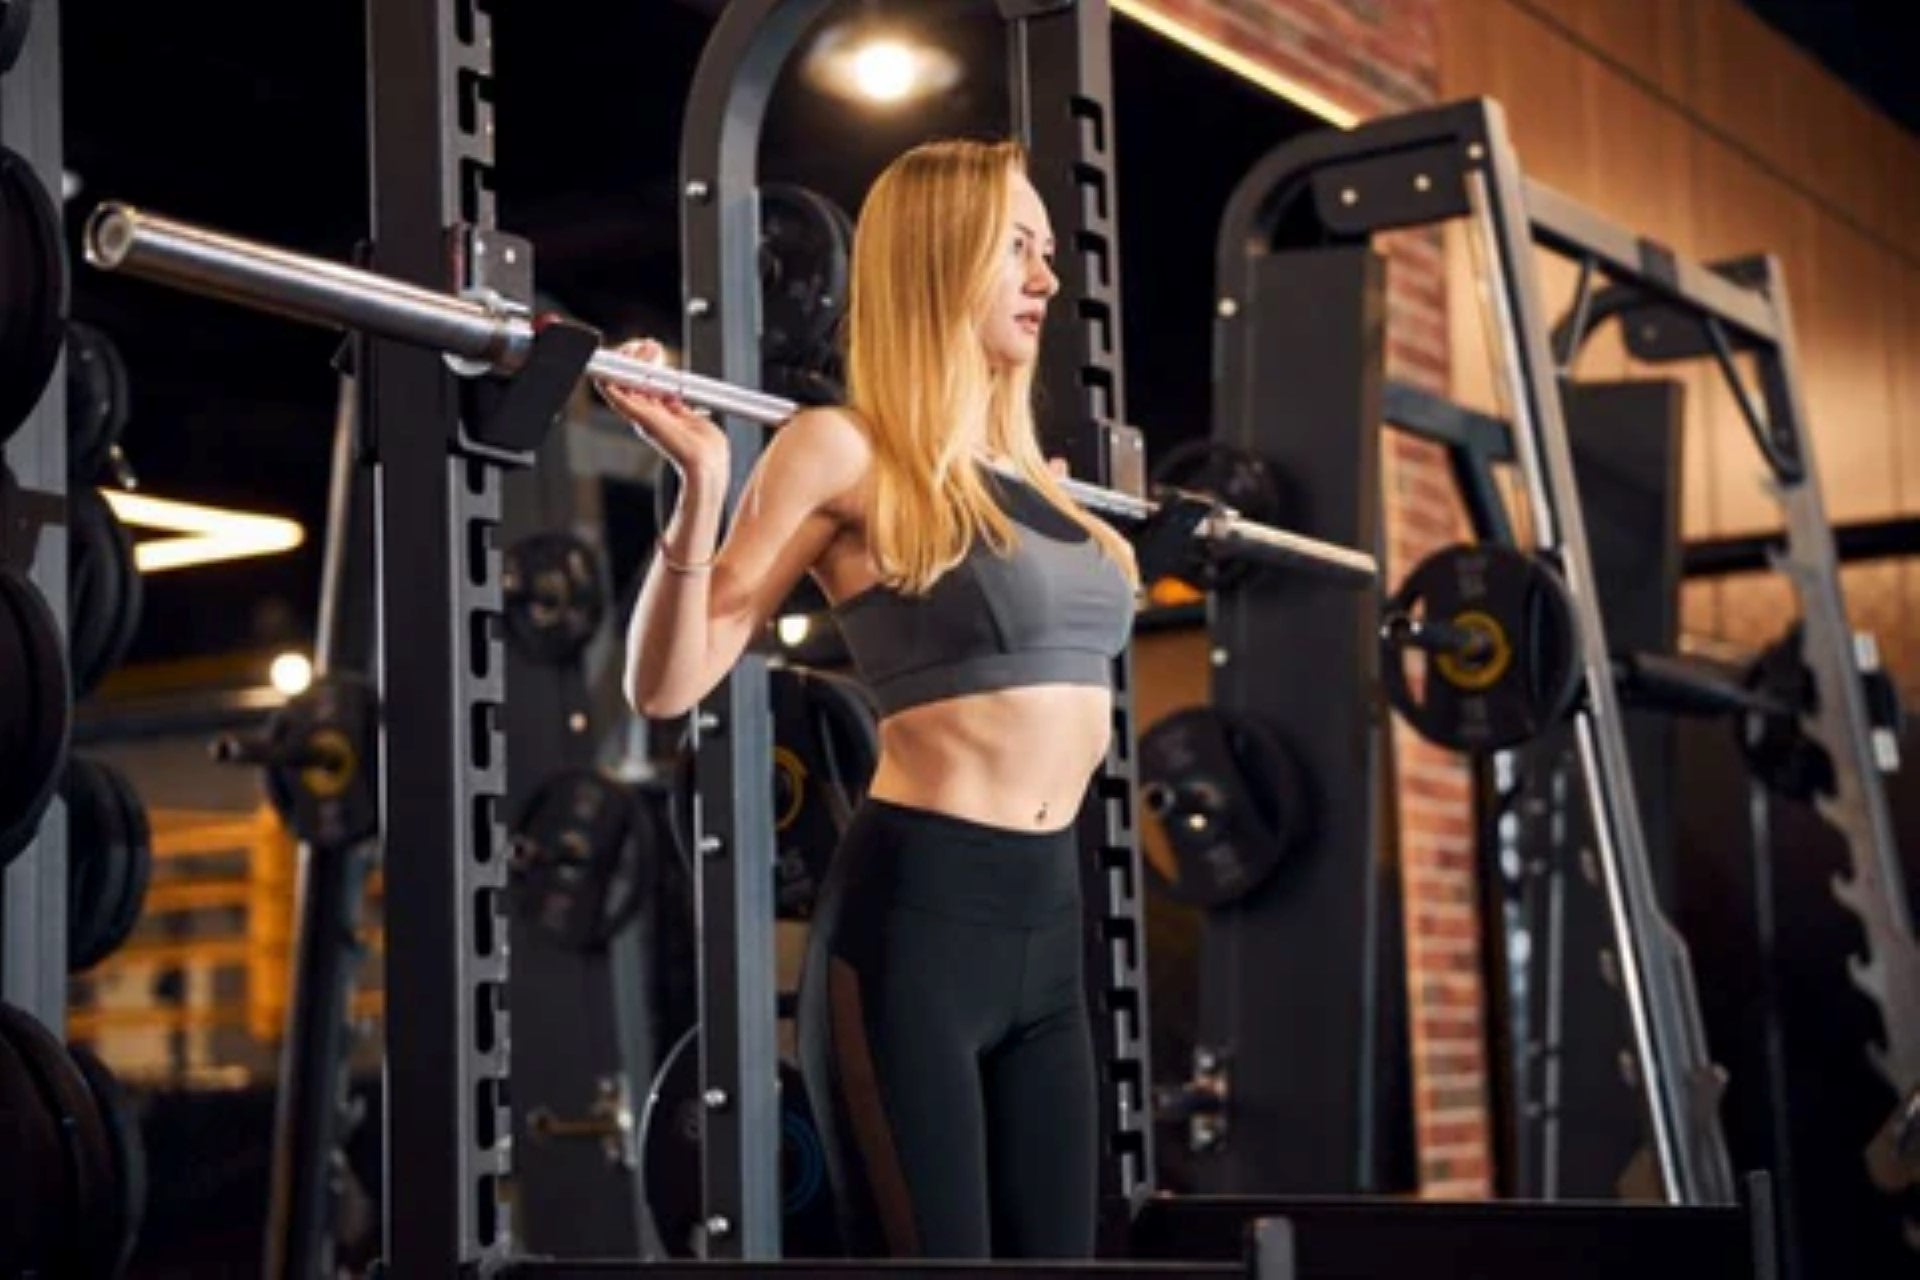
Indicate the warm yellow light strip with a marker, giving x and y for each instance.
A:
(207, 535)
(1147, 14)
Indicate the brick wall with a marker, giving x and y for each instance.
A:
(1364, 58)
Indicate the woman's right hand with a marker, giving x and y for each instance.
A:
(694, 443)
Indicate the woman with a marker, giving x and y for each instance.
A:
(943, 1023)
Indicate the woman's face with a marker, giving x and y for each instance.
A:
(1017, 306)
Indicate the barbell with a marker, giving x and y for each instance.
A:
(489, 336)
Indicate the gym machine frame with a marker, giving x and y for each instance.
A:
(1453, 162)
(1456, 161)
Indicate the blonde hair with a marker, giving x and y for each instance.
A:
(926, 255)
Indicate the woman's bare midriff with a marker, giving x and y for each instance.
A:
(1016, 758)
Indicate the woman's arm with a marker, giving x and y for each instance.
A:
(697, 610)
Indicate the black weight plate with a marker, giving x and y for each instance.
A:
(551, 596)
(802, 386)
(97, 391)
(97, 862)
(16, 16)
(132, 596)
(89, 1155)
(1227, 802)
(1235, 477)
(1778, 749)
(91, 586)
(35, 715)
(805, 255)
(37, 1214)
(105, 590)
(33, 299)
(575, 830)
(139, 849)
(1530, 677)
(671, 1125)
(826, 746)
(129, 1154)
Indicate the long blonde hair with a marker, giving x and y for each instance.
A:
(926, 254)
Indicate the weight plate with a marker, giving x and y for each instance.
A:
(104, 590)
(33, 290)
(1235, 477)
(575, 841)
(806, 247)
(97, 392)
(97, 861)
(826, 745)
(16, 16)
(38, 1213)
(670, 1137)
(1527, 676)
(128, 1149)
(139, 848)
(552, 596)
(89, 1155)
(1778, 749)
(36, 714)
(1226, 803)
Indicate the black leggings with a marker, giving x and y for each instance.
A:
(945, 1042)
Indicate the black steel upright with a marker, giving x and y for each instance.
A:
(1062, 86)
(1299, 364)
(33, 889)
(733, 728)
(437, 499)
(329, 890)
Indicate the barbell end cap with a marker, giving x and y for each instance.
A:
(108, 236)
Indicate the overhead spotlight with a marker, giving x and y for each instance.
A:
(880, 65)
(291, 674)
(793, 629)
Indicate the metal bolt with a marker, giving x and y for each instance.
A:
(708, 721)
(718, 1226)
(577, 722)
(1218, 657)
(1228, 308)
(710, 846)
(715, 1099)
(1476, 151)
(1349, 197)
(698, 191)
(697, 307)
(1421, 182)
(511, 256)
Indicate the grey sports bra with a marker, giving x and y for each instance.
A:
(1054, 610)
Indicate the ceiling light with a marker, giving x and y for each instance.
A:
(879, 65)
(793, 628)
(206, 535)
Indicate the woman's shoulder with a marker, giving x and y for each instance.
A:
(833, 429)
(827, 449)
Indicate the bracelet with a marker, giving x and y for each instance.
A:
(685, 567)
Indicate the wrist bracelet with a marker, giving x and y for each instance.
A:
(686, 567)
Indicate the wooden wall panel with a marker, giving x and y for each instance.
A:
(1699, 126)
(1651, 37)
